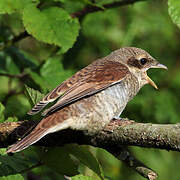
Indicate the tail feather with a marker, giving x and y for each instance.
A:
(50, 124)
(30, 139)
(37, 108)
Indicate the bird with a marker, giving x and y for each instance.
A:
(93, 96)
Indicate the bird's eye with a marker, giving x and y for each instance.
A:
(143, 61)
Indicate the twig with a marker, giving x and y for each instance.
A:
(12, 41)
(9, 94)
(124, 155)
(91, 9)
(13, 75)
(19, 37)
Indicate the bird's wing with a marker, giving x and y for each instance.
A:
(90, 80)
(61, 89)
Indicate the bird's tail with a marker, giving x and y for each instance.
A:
(30, 139)
(47, 125)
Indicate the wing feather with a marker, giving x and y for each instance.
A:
(90, 80)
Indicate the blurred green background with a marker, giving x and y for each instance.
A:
(146, 25)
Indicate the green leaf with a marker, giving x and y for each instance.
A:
(7, 65)
(12, 177)
(53, 72)
(52, 25)
(83, 154)
(1, 113)
(20, 59)
(17, 106)
(14, 22)
(38, 80)
(17, 163)
(11, 6)
(62, 1)
(174, 11)
(11, 119)
(59, 159)
(33, 95)
(2, 118)
(81, 177)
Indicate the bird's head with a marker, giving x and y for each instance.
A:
(139, 61)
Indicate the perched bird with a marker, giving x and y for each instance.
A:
(92, 97)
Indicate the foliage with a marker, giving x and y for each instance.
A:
(42, 43)
(174, 11)
(52, 25)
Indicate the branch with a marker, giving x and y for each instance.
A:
(14, 40)
(123, 133)
(124, 155)
(20, 76)
(91, 9)
(149, 135)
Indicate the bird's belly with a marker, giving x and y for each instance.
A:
(117, 98)
(95, 112)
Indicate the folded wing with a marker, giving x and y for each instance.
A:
(90, 80)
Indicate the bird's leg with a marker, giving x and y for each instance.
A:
(116, 122)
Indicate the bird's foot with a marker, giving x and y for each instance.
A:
(116, 118)
(116, 122)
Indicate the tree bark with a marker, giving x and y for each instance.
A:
(161, 136)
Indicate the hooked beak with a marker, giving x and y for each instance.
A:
(149, 80)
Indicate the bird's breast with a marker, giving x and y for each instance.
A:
(94, 112)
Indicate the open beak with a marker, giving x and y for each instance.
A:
(149, 80)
